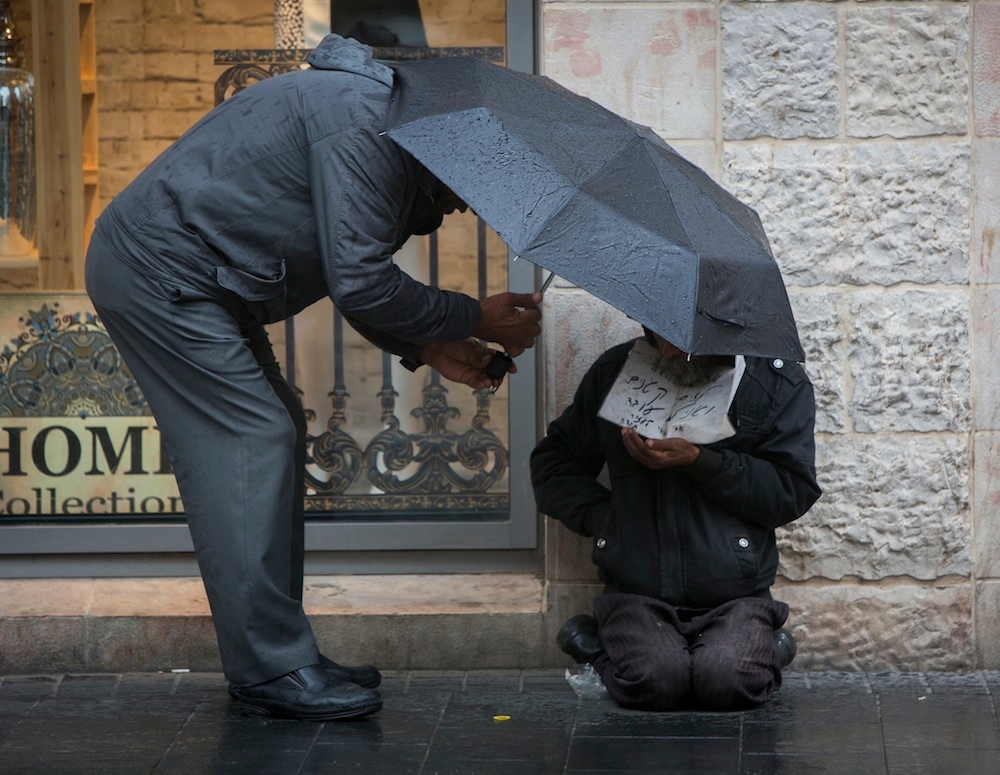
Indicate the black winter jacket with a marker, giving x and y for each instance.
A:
(694, 537)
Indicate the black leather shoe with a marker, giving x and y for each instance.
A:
(367, 676)
(578, 638)
(784, 647)
(310, 694)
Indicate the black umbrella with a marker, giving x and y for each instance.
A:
(599, 201)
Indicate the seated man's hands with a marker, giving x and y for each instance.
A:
(659, 453)
(512, 320)
(462, 361)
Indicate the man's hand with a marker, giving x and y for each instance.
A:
(511, 320)
(462, 361)
(659, 453)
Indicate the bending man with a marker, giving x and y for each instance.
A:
(286, 193)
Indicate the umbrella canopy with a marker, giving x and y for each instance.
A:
(599, 201)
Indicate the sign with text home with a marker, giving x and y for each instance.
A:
(77, 440)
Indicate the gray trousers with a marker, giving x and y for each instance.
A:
(235, 434)
(655, 658)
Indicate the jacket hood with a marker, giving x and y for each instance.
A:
(347, 55)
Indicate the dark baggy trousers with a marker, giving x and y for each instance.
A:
(656, 659)
(235, 434)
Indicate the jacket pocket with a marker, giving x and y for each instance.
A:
(265, 298)
(745, 550)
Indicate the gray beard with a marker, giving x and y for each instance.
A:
(689, 373)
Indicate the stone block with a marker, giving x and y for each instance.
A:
(120, 11)
(181, 597)
(578, 328)
(116, 74)
(986, 69)
(42, 644)
(779, 72)
(144, 643)
(988, 625)
(115, 35)
(986, 357)
(892, 506)
(986, 507)
(857, 627)
(46, 597)
(909, 361)
(170, 124)
(233, 12)
(485, 642)
(700, 153)
(172, 65)
(356, 640)
(567, 555)
(452, 593)
(906, 71)
(986, 211)
(652, 63)
(120, 125)
(820, 321)
(181, 96)
(859, 214)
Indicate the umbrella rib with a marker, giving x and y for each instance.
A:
(738, 228)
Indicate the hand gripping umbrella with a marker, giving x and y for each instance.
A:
(599, 201)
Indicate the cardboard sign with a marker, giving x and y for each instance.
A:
(646, 398)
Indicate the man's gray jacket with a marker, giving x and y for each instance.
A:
(694, 537)
(288, 192)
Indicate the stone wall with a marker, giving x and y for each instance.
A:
(867, 139)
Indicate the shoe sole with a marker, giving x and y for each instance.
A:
(277, 710)
(373, 684)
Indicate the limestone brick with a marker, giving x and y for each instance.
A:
(120, 35)
(986, 69)
(568, 555)
(986, 212)
(579, 328)
(987, 624)
(700, 153)
(906, 71)
(820, 321)
(169, 124)
(875, 627)
(779, 72)
(892, 506)
(877, 213)
(119, 125)
(652, 63)
(909, 361)
(986, 357)
(986, 506)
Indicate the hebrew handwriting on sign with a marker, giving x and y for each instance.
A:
(646, 398)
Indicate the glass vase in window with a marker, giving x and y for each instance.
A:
(17, 145)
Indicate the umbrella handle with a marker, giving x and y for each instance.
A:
(498, 365)
(547, 283)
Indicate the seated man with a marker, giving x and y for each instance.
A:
(684, 538)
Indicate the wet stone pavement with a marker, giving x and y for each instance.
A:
(456, 723)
